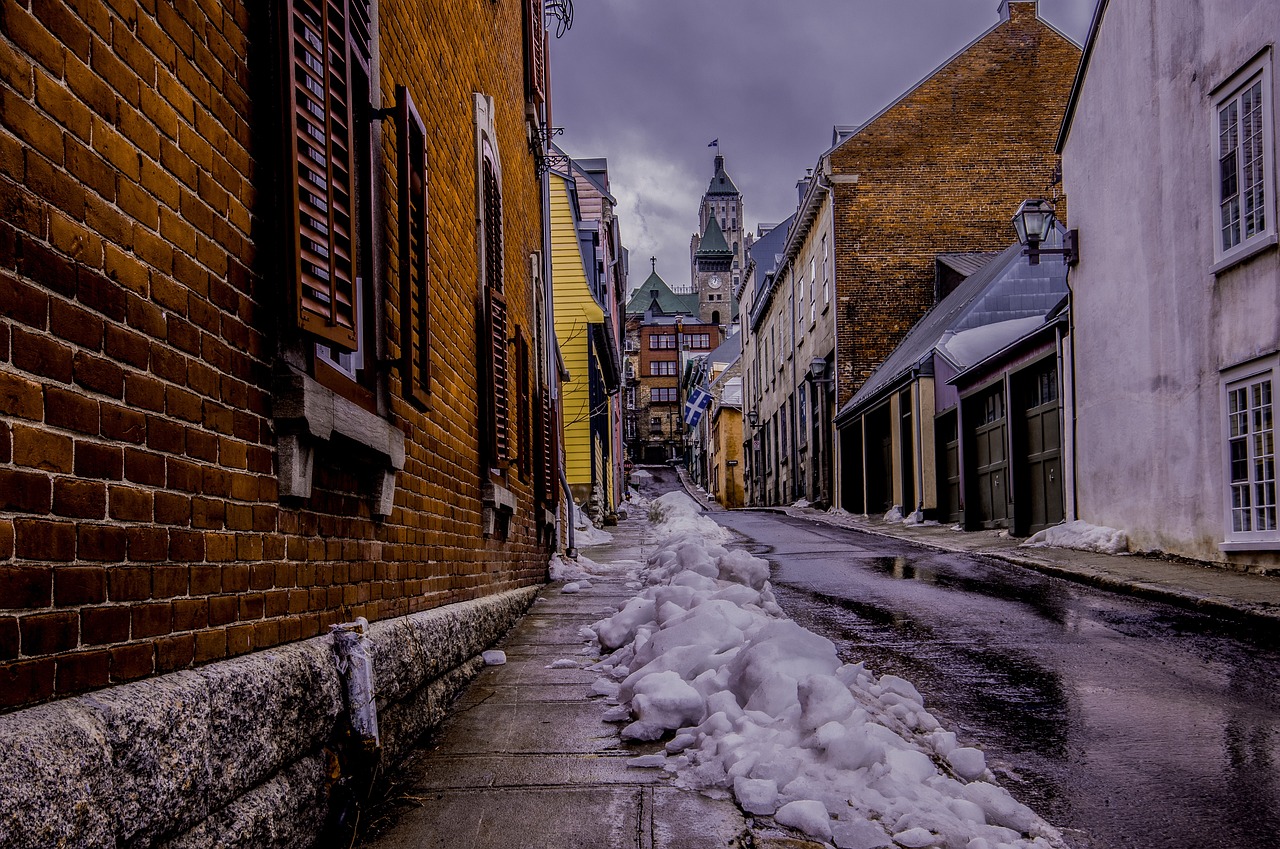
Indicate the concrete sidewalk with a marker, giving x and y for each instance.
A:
(524, 759)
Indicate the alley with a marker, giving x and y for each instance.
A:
(1126, 723)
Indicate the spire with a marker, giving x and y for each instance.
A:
(712, 245)
(721, 184)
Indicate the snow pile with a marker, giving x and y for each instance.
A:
(894, 515)
(803, 502)
(586, 533)
(584, 568)
(1083, 536)
(755, 705)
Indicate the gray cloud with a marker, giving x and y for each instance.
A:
(648, 83)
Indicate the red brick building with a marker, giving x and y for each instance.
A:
(941, 169)
(274, 343)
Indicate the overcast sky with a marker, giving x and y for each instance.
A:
(648, 83)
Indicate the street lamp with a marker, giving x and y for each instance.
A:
(753, 418)
(1033, 222)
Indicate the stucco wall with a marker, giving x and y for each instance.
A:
(1153, 325)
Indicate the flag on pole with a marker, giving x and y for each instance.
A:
(699, 400)
(715, 143)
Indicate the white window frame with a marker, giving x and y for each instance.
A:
(1257, 71)
(1246, 377)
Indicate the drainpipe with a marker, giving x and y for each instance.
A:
(1075, 497)
(570, 549)
(354, 653)
(918, 421)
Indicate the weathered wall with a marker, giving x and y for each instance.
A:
(1153, 325)
(232, 754)
(142, 530)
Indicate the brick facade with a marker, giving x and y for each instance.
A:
(147, 325)
(942, 169)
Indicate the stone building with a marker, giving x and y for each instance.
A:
(275, 355)
(717, 250)
(941, 169)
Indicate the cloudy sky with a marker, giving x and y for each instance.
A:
(648, 83)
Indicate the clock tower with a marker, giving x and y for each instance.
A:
(716, 250)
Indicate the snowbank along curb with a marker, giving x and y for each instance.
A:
(754, 705)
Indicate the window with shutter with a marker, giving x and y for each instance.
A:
(324, 42)
(415, 314)
(535, 52)
(524, 411)
(550, 452)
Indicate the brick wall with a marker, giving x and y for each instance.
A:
(942, 170)
(141, 528)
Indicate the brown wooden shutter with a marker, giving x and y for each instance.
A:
(501, 448)
(415, 315)
(524, 411)
(318, 80)
(496, 321)
(550, 452)
(535, 51)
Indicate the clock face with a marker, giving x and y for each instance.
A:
(714, 283)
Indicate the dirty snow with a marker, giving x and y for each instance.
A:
(1081, 535)
(583, 568)
(751, 704)
(585, 533)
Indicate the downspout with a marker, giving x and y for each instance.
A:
(1075, 461)
(918, 421)
(570, 549)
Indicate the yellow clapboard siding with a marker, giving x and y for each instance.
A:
(575, 309)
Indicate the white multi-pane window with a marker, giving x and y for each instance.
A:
(1244, 180)
(826, 277)
(800, 303)
(1251, 459)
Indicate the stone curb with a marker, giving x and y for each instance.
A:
(1231, 608)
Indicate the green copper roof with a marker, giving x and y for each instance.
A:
(712, 243)
(721, 184)
(655, 295)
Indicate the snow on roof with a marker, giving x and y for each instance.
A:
(975, 344)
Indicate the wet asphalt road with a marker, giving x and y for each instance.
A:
(1123, 722)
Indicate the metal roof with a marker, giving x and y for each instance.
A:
(1008, 291)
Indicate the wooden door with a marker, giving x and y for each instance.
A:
(991, 460)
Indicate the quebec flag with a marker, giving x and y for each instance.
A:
(699, 400)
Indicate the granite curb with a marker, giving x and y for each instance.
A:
(1257, 605)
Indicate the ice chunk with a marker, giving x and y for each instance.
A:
(969, 763)
(823, 699)
(571, 588)
(757, 795)
(665, 700)
(494, 657)
(563, 663)
(1000, 807)
(808, 815)
(859, 834)
(915, 838)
